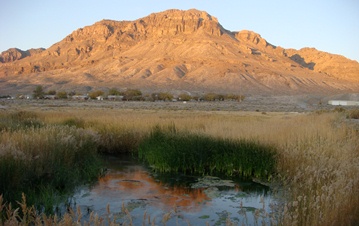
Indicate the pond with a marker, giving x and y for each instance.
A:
(135, 194)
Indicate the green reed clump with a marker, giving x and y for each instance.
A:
(19, 120)
(168, 150)
(49, 160)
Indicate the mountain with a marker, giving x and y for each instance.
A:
(175, 50)
(15, 54)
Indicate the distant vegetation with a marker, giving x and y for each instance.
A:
(130, 95)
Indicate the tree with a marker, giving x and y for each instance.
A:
(114, 92)
(61, 95)
(51, 92)
(213, 97)
(165, 96)
(133, 94)
(210, 97)
(95, 94)
(39, 92)
(184, 97)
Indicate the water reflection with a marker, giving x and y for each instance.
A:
(135, 182)
(134, 185)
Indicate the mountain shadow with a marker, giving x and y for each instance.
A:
(300, 60)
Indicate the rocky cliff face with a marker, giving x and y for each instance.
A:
(15, 54)
(176, 50)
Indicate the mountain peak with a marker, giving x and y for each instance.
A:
(174, 21)
(185, 14)
(176, 49)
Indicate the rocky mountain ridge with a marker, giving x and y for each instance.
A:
(175, 50)
(14, 54)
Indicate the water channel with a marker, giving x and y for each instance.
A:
(136, 194)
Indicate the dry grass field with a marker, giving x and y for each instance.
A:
(317, 152)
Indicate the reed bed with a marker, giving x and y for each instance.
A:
(316, 154)
(169, 150)
(44, 161)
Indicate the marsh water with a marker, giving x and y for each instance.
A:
(135, 194)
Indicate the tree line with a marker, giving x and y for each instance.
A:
(134, 95)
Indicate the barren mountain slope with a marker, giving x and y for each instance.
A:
(176, 50)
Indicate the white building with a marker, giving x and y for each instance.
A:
(343, 103)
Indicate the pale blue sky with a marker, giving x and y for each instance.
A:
(328, 25)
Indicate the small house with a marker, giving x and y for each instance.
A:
(343, 103)
(80, 97)
(114, 97)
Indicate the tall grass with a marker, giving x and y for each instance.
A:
(44, 162)
(320, 171)
(317, 155)
(169, 150)
(27, 215)
(117, 139)
(19, 120)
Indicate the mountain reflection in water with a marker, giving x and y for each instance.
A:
(135, 182)
(132, 184)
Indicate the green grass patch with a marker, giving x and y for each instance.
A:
(168, 150)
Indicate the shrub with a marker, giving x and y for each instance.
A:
(165, 96)
(353, 114)
(61, 95)
(213, 97)
(184, 97)
(339, 109)
(234, 97)
(95, 94)
(51, 92)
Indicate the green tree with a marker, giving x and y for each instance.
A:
(213, 97)
(51, 92)
(210, 97)
(61, 95)
(114, 92)
(184, 97)
(165, 96)
(95, 94)
(234, 97)
(39, 93)
(133, 94)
